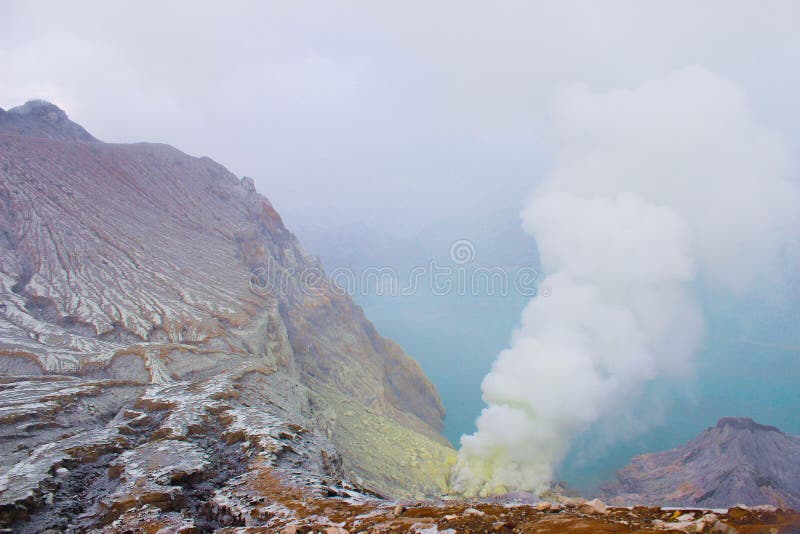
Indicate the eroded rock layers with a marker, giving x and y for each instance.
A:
(156, 315)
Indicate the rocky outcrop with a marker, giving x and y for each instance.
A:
(136, 259)
(38, 118)
(133, 278)
(736, 462)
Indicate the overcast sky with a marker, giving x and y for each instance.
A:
(397, 114)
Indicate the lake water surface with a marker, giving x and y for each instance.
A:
(750, 366)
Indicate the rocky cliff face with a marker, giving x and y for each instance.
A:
(148, 296)
(736, 462)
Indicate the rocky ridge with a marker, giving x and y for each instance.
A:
(736, 461)
(156, 309)
(38, 118)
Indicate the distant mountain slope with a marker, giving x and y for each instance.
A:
(736, 462)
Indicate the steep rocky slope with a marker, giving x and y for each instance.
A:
(151, 296)
(737, 461)
(140, 253)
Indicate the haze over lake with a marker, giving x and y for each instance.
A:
(456, 338)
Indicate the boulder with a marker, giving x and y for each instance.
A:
(595, 506)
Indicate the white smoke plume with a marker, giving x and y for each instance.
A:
(653, 191)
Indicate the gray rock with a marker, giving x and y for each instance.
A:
(595, 506)
(37, 118)
(737, 461)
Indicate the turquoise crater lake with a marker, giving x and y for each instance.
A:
(749, 366)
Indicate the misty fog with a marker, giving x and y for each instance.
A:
(383, 133)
